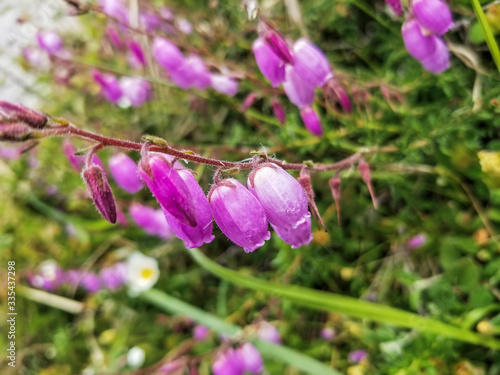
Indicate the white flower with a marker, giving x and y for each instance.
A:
(135, 357)
(142, 273)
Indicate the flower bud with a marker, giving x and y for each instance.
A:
(100, 191)
(152, 221)
(168, 188)
(396, 6)
(223, 84)
(298, 236)
(202, 232)
(114, 37)
(30, 117)
(311, 121)
(434, 15)
(239, 215)
(335, 188)
(16, 132)
(305, 181)
(364, 171)
(252, 360)
(167, 54)
(418, 44)
(124, 171)
(300, 92)
(110, 88)
(136, 53)
(248, 102)
(439, 60)
(50, 42)
(278, 111)
(279, 46)
(136, 91)
(283, 199)
(311, 63)
(268, 62)
(335, 92)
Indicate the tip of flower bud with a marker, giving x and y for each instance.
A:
(335, 188)
(100, 191)
(17, 132)
(305, 181)
(20, 113)
(364, 171)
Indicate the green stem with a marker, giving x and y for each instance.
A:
(490, 39)
(269, 350)
(321, 300)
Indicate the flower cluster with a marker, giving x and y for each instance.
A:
(139, 273)
(300, 69)
(427, 22)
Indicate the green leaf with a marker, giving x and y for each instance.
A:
(490, 39)
(320, 300)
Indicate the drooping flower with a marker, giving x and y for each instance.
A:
(300, 92)
(439, 60)
(266, 331)
(278, 44)
(192, 73)
(98, 187)
(142, 273)
(167, 54)
(311, 121)
(228, 362)
(124, 171)
(223, 84)
(50, 41)
(278, 110)
(434, 15)
(152, 221)
(296, 237)
(114, 276)
(193, 236)
(239, 215)
(110, 87)
(136, 91)
(252, 360)
(114, 37)
(168, 188)
(311, 63)
(283, 199)
(268, 62)
(418, 44)
(137, 57)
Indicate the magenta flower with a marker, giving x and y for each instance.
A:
(184, 26)
(283, 199)
(110, 88)
(114, 37)
(224, 84)
(124, 171)
(149, 21)
(113, 277)
(167, 54)
(434, 15)
(239, 215)
(268, 62)
(193, 236)
(417, 241)
(279, 46)
(357, 356)
(266, 331)
(278, 110)
(136, 90)
(116, 9)
(168, 188)
(296, 237)
(418, 44)
(228, 362)
(192, 73)
(137, 54)
(90, 282)
(50, 42)
(152, 221)
(300, 92)
(248, 101)
(311, 63)
(439, 60)
(396, 6)
(327, 333)
(100, 191)
(200, 333)
(252, 360)
(311, 121)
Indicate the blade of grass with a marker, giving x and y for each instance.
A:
(321, 300)
(490, 39)
(269, 350)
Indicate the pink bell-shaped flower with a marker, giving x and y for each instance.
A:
(434, 15)
(239, 215)
(252, 360)
(282, 197)
(439, 60)
(192, 73)
(223, 84)
(311, 121)
(300, 92)
(270, 65)
(110, 87)
(124, 171)
(152, 221)
(418, 44)
(136, 91)
(311, 63)
(167, 54)
(228, 362)
(296, 237)
(193, 236)
(50, 42)
(168, 188)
